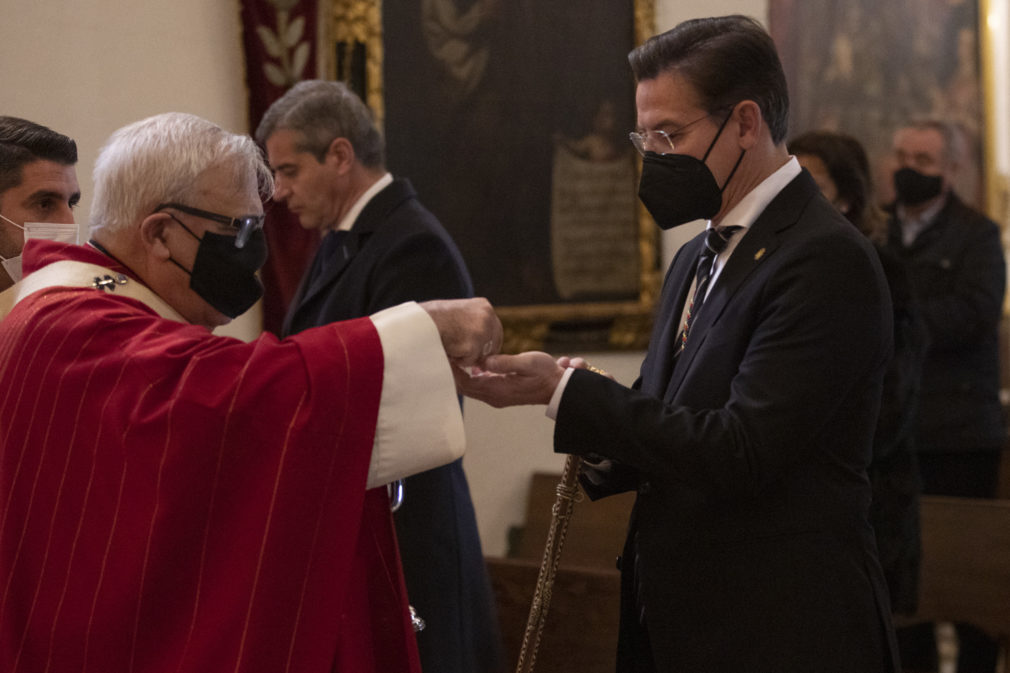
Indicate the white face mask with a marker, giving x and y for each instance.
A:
(64, 233)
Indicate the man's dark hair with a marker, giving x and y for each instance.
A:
(22, 142)
(726, 59)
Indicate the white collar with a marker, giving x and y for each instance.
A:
(756, 200)
(924, 218)
(348, 220)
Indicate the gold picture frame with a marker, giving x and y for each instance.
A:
(994, 31)
(352, 31)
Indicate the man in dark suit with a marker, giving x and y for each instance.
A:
(955, 265)
(381, 248)
(748, 433)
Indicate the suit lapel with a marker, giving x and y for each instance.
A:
(757, 246)
(660, 358)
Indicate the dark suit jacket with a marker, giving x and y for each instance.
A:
(397, 251)
(754, 549)
(958, 276)
(894, 470)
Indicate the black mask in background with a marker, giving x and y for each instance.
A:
(913, 188)
(677, 188)
(225, 276)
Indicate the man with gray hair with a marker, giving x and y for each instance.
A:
(38, 183)
(957, 272)
(380, 248)
(180, 501)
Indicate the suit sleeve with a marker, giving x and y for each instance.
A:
(805, 342)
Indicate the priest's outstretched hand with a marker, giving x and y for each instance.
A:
(469, 328)
(511, 380)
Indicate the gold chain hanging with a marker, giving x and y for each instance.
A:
(567, 490)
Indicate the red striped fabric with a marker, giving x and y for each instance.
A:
(175, 501)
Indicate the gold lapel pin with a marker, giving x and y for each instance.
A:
(759, 254)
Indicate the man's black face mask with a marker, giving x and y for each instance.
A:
(913, 187)
(677, 188)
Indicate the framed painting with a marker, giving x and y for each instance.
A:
(510, 119)
(864, 67)
(995, 26)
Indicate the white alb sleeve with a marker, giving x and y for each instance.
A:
(420, 425)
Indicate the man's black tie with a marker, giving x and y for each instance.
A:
(329, 248)
(716, 240)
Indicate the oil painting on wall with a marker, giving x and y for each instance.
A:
(863, 67)
(511, 120)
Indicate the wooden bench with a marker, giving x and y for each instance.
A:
(966, 565)
(1003, 485)
(580, 633)
(595, 532)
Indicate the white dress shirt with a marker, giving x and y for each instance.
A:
(349, 218)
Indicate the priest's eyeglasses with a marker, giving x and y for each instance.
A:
(244, 225)
(662, 142)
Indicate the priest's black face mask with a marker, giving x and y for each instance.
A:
(224, 274)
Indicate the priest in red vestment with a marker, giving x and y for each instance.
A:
(172, 500)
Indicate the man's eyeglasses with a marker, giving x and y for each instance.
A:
(244, 225)
(660, 142)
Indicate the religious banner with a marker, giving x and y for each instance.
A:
(279, 40)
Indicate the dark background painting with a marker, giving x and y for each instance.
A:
(863, 67)
(476, 91)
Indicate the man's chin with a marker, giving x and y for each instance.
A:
(307, 223)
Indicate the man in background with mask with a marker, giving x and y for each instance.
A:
(958, 275)
(748, 432)
(180, 501)
(38, 184)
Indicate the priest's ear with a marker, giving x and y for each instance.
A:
(154, 231)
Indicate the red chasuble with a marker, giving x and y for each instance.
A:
(176, 501)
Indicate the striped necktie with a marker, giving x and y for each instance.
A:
(716, 240)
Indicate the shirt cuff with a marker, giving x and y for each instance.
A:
(552, 409)
(420, 424)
